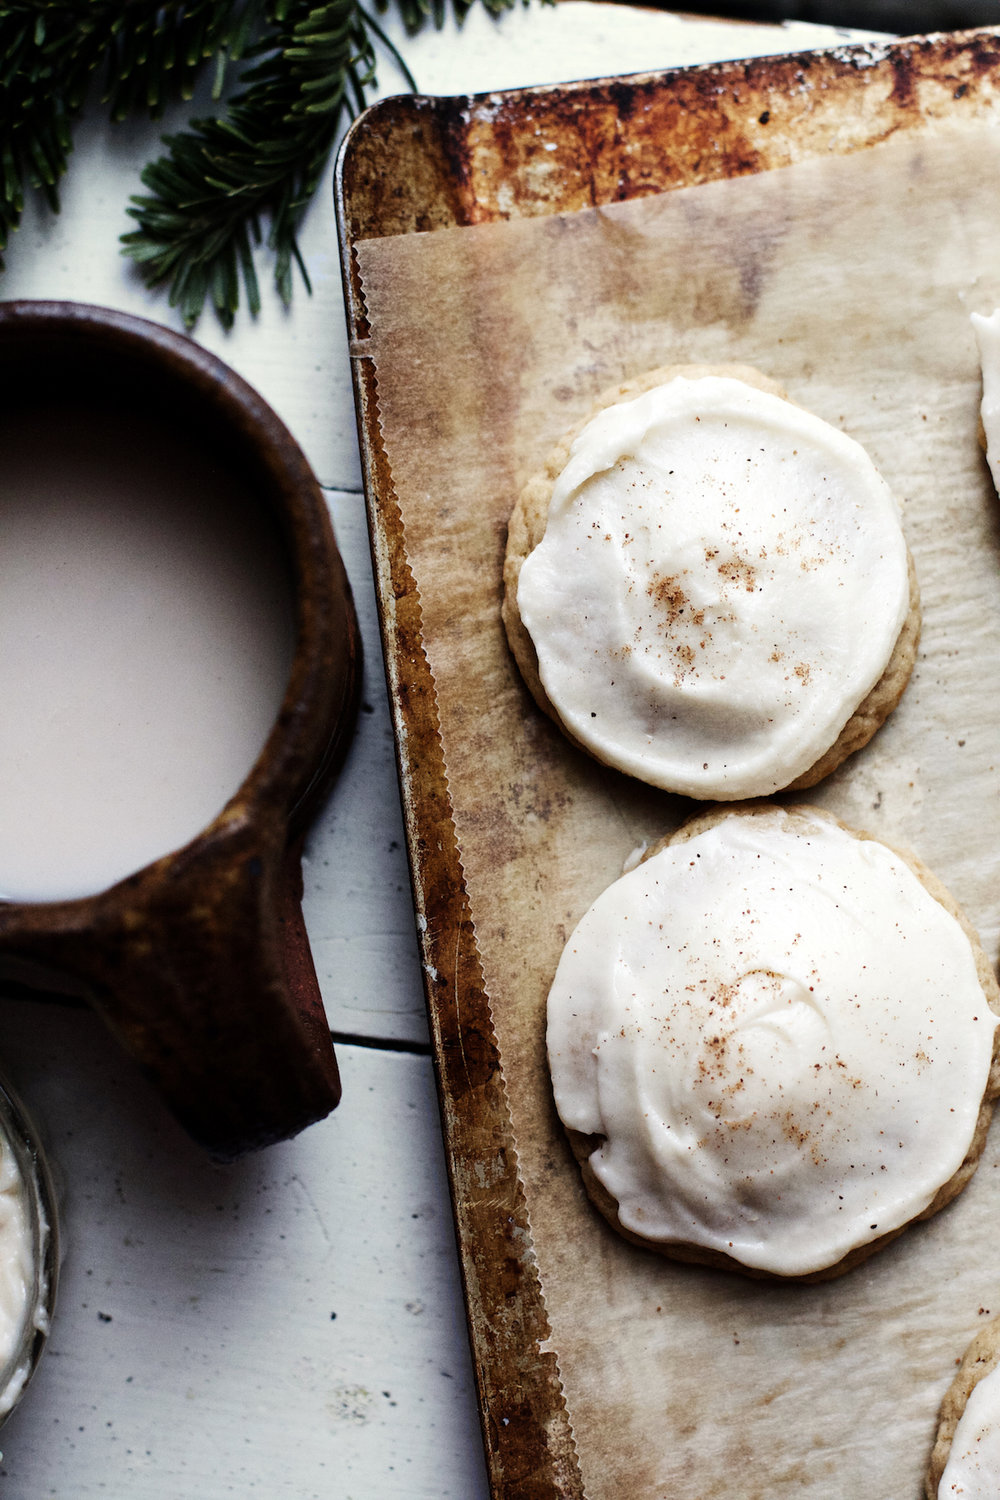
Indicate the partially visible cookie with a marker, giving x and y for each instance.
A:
(987, 331)
(708, 587)
(773, 1044)
(966, 1456)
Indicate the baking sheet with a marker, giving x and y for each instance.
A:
(849, 275)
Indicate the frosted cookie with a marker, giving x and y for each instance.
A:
(708, 587)
(966, 1456)
(987, 332)
(772, 1044)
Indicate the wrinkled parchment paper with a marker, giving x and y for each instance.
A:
(850, 280)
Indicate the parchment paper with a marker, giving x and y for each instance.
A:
(850, 280)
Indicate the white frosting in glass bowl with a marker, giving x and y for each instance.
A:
(779, 1037)
(721, 582)
(29, 1250)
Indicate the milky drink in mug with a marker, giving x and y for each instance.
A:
(146, 637)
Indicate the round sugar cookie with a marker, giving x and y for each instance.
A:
(708, 587)
(966, 1456)
(773, 1044)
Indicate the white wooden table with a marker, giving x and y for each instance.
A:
(290, 1326)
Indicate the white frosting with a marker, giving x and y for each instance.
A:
(988, 338)
(17, 1272)
(973, 1467)
(780, 1034)
(721, 582)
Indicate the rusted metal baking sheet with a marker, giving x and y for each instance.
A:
(415, 164)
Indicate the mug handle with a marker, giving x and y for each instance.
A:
(201, 967)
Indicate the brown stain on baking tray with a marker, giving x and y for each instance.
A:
(413, 165)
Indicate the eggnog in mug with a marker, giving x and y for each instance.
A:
(146, 637)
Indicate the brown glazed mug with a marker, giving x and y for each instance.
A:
(199, 961)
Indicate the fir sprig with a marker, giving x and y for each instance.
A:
(50, 53)
(257, 162)
(264, 156)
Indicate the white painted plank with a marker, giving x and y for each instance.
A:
(357, 899)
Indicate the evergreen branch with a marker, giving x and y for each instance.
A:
(45, 71)
(416, 13)
(266, 155)
(305, 64)
(391, 48)
(51, 51)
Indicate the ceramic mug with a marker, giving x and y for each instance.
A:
(198, 961)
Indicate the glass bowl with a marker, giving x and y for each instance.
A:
(29, 1249)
